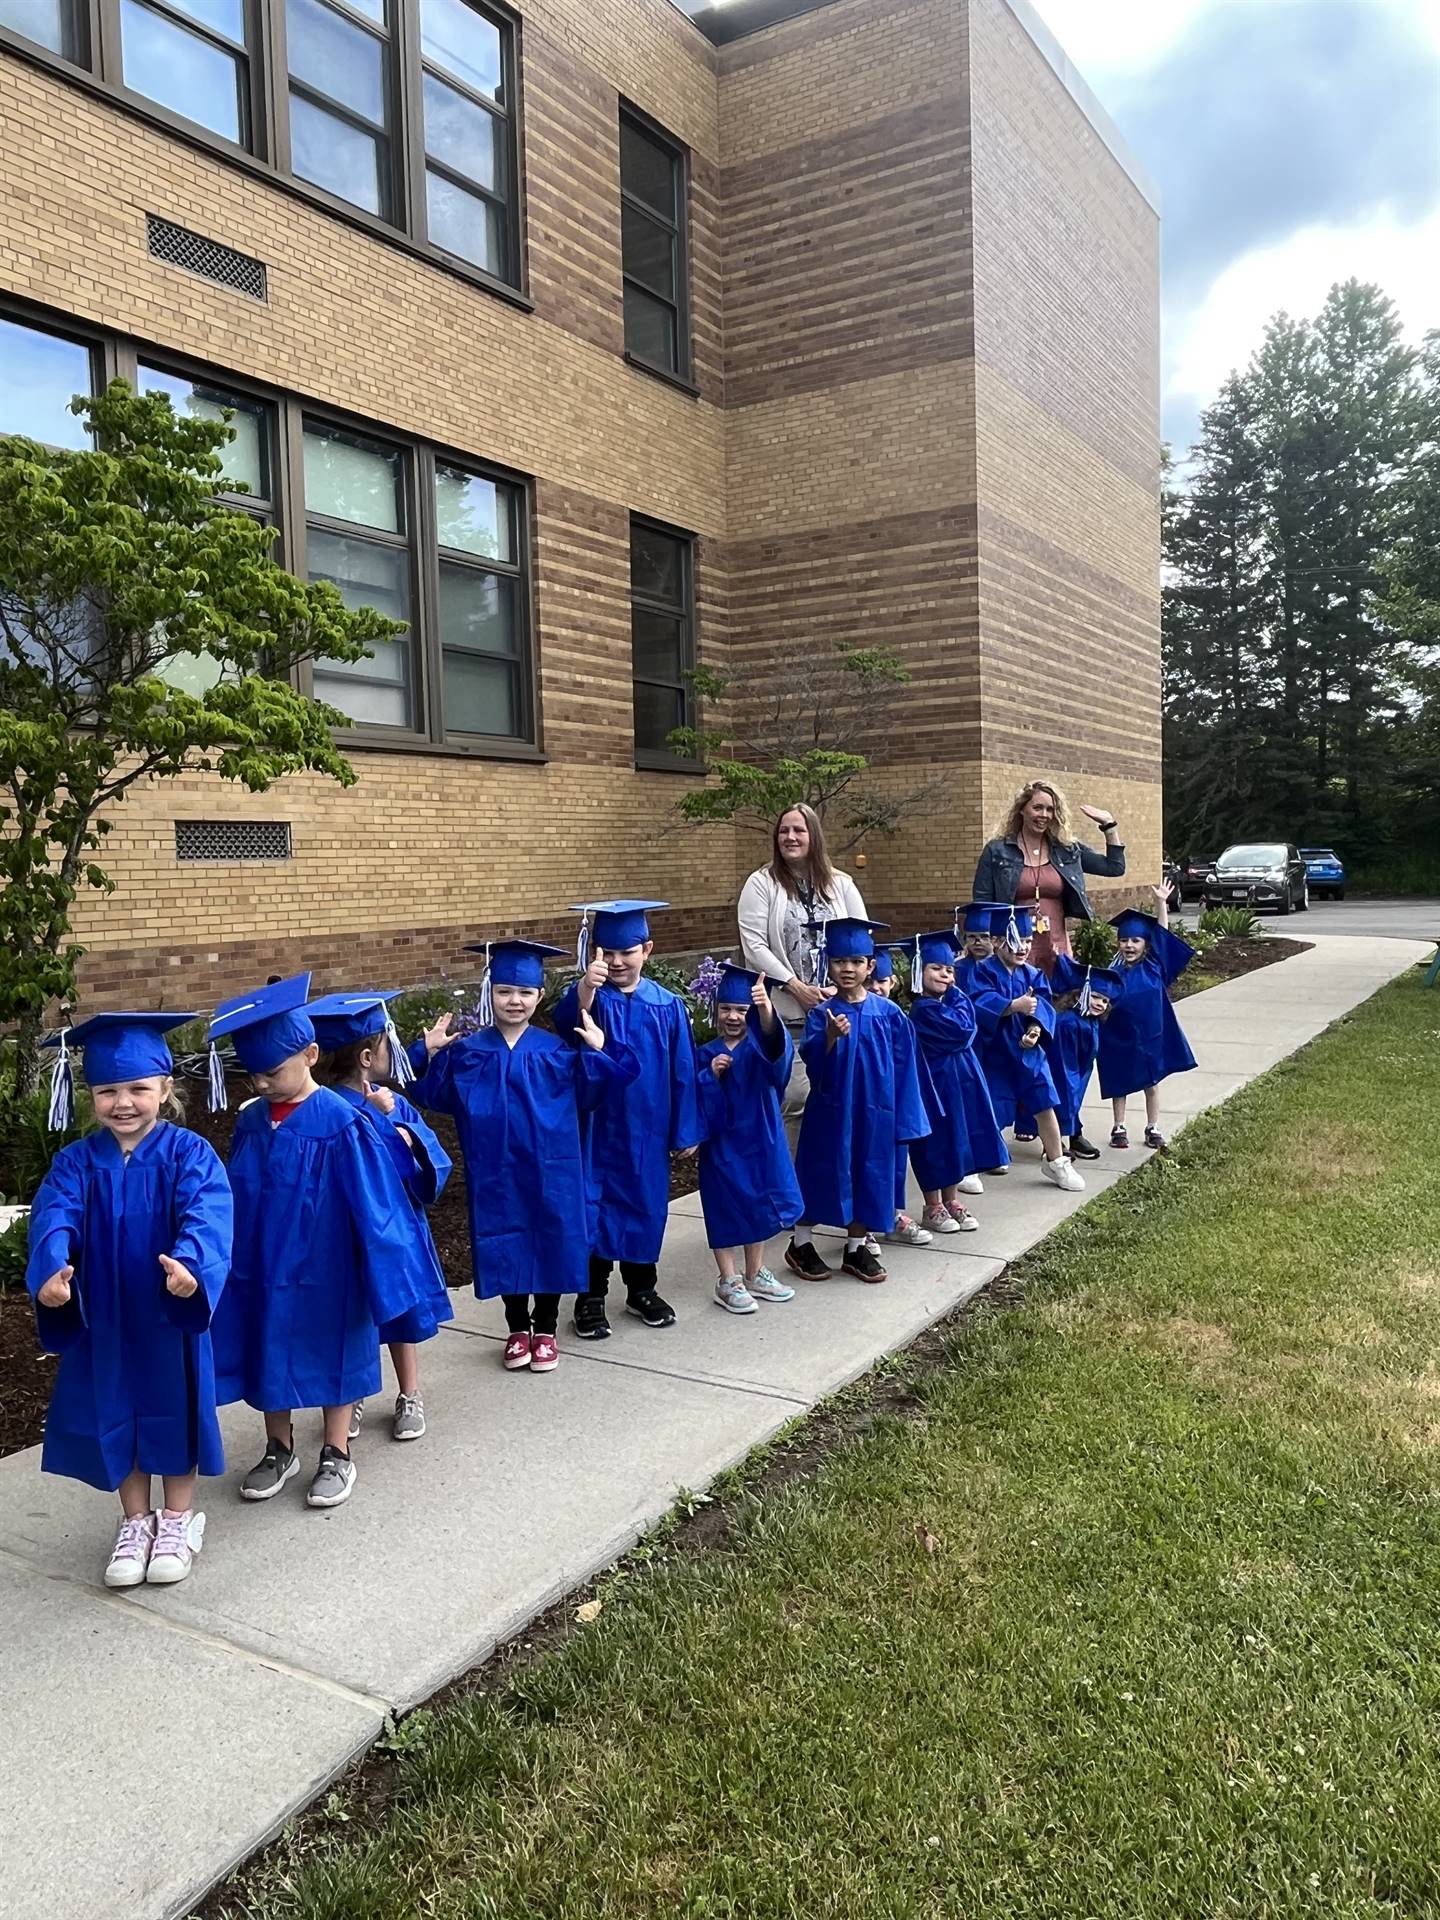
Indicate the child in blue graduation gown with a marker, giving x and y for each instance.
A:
(1017, 1026)
(516, 1095)
(1083, 999)
(1141, 1042)
(630, 1139)
(946, 1030)
(130, 1236)
(748, 1188)
(865, 1100)
(973, 923)
(360, 1050)
(326, 1250)
(905, 1232)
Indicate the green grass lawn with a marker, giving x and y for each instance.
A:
(1172, 1655)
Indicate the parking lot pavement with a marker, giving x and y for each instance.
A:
(1361, 916)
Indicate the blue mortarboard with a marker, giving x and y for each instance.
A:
(736, 985)
(340, 1019)
(514, 963)
(267, 1025)
(850, 939)
(116, 1047)
(1069, 975)
(1131, 924)
(884, 964)
(1013, 925)
(618, 924)
(936, 950)
(979, 915)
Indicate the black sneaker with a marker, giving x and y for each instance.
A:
(806, 1262)
(1154, 1138)
(649, 1307)
(590, 1321)
(863, 1264)
(1083, 1149)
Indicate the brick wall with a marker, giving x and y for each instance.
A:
(922, 303)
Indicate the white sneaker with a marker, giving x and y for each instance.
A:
(178, 1540)
(941, 1220)
(732, 1294)
(1060, 1173)
(965, 1221)
(972, 1183)
(130, 1556)
(999, 1173)
(766, 1287)
(905, 1232)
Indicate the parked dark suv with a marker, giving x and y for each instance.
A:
(1268, 873)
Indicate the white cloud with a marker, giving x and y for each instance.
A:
(1206, 342)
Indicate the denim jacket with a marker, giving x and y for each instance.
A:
(997, 873)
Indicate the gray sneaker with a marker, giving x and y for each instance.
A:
(265, 1479)
(334, 1479)
(409, 1421)
(357, 1417)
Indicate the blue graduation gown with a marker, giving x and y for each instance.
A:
(518, 1111)
(865, 1100)
(629, 1140)
(325, 1254)
(1141, 1042)
(1019, 1078)
(748, 1187)
(136, 1381)
(1078, 1038)
(423, 1169)
(966, 1138)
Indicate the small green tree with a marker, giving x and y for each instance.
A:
(120, 572)
(813, 732)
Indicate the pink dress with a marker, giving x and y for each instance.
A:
(1042, 891)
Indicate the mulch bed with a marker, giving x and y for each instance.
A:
(26, 1373)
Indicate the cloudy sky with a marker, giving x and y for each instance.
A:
(1294, 143)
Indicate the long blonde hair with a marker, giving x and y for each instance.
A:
(1062, 833)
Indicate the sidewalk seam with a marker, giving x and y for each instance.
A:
(727, 1384)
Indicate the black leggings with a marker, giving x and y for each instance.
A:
(639, 1276)
(521, 1317)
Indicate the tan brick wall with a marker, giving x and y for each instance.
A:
(926, 414)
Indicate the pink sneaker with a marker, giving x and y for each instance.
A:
(517, 1352)
(178, 1539)
(130, 1556)
(544, 1353)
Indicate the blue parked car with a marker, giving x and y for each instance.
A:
(1325, 871)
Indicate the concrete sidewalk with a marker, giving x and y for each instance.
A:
(235, 1697)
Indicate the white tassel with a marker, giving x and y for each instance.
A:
(582, 945)
(217, 1080)
(61, 1115)
(822, 960)
(1083, 1007)
(486, 1013)
(401, 1071)
(955, 923)
(917, 968)
(1012, 934)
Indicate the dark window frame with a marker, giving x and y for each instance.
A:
(269, 155)
(658, 759)
(682, 373)
(115, 356)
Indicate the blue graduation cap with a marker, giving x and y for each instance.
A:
(936, 950)
(1132, 924)
(267, 1025)
(115, 1047)
(1071, 976)
(618, 924)
(1100, 980)
(340, 1019)
(884, 964)
(978, 916)
(1013, 925)
(514, 963)
(848, 938)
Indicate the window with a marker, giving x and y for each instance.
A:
(404, 110)
(662, 636)
(478, 604)
(40, 374)
(190, 56)
(356, 537)
(652, 235)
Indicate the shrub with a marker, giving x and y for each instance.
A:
(14, 1252)
(1231, 923)
(1093, 943)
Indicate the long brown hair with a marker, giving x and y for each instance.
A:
(822, 874)
(1061, 833)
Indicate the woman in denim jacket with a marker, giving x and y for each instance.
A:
(1035, 861)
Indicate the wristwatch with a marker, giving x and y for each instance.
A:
(1109, 826)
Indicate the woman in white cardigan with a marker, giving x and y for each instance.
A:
(782, 907)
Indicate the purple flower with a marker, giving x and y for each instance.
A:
(706, 984)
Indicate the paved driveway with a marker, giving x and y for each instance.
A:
(1365, 918)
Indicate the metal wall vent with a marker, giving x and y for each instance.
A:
(182, 248)
(232, 840)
